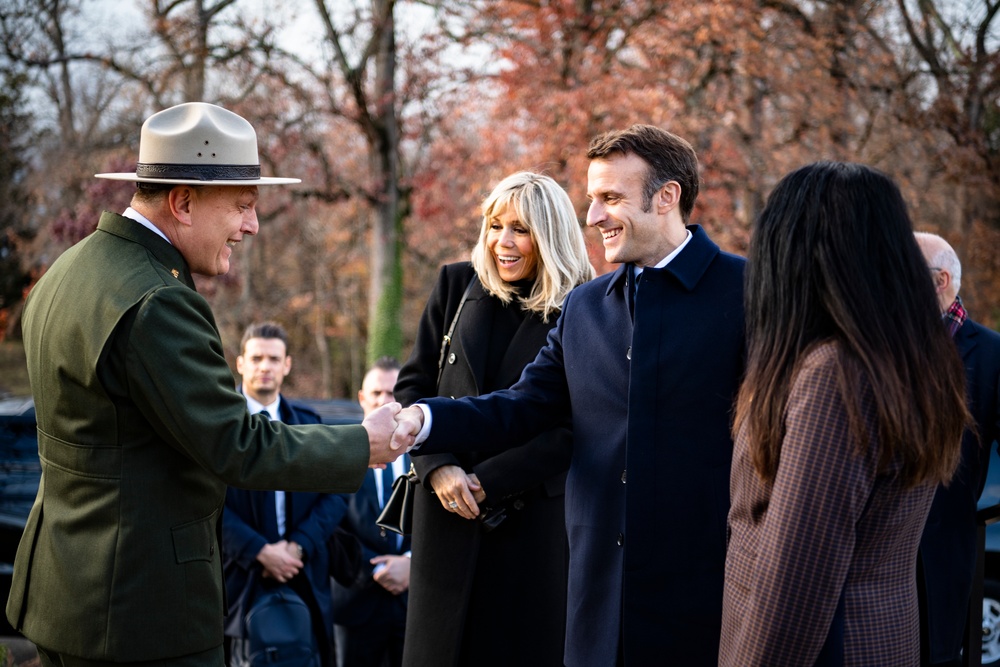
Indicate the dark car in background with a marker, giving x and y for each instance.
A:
(334, 410)
(20, 471)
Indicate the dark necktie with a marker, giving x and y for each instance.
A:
(633, 288)
(388, 477)
(386, 485)
(286, 506)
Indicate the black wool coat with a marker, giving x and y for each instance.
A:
(948, 547)
(501, 592)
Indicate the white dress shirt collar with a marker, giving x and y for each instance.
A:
(272, 410)
(669, 258)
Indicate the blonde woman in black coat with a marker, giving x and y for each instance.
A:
(488, 577)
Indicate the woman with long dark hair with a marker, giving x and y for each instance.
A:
(850, 414)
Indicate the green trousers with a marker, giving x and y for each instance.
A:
(211, 658)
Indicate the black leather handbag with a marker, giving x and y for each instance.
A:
(397, 515)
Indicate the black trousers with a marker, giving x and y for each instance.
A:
(378, 643)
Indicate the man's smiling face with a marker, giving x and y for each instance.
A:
(220, 216)
(630, 227)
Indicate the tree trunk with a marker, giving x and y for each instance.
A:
(194, 83)
(385, 336)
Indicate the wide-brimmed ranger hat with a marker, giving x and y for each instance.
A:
(198, 144)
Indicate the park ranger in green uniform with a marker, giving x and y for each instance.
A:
(140, 428)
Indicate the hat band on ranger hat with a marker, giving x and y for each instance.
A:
(198, 172)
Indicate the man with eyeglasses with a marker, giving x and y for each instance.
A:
(947, 556)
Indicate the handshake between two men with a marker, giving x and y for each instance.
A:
(392, 430)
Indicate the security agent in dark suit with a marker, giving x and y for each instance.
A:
(947, 556)
(370, 616)
(274, 537)
(647, 493)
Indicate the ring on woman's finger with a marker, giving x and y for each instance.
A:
(453, 504)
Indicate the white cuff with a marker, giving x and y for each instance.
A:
(425, 430)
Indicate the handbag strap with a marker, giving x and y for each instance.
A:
(446, 340)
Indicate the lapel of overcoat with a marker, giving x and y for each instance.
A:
(523, 348)
(965, 340)
(474, 325)
(475, 322)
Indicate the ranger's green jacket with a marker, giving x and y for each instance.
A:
(140, 430)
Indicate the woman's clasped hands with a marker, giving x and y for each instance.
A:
(459, 492)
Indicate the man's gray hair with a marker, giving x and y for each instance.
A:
(944, 258)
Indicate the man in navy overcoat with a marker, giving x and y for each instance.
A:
(948, 547)
(647, 493)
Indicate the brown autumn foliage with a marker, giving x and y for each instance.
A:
(759, 87)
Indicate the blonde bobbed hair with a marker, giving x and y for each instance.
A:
(542, 206)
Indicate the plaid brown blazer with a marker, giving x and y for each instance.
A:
(828, 551)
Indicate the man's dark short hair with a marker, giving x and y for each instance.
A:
(385, 364)
(669, 157)
(264, 330)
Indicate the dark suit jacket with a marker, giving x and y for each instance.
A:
(140, 431)
(459, 571)
(948, 548)
(249, 523)
(648, 486)
(362, 603)
(820, 564)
